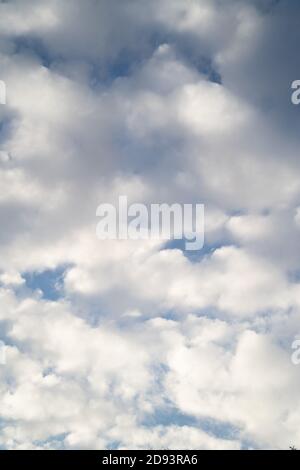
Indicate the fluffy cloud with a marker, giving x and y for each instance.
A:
(143, 345)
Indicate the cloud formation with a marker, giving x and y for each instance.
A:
(144, 346)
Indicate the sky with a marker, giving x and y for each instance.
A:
(137, 344)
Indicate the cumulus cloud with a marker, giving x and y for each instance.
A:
(144, 346)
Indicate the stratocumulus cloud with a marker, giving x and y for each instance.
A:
(137, 343)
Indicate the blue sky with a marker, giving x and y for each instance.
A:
(49, 282)
(142, 344)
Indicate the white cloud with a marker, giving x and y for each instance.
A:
(113, 98)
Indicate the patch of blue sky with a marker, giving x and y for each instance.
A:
(188, 50)
(127, 61)
(49, 282)
(103, 71)
(102, 75)
(125, 64)
(53, 442)
(170, 416)
(34, 46)
(113, 445)
(194, 256)
(48, 371)
(205, 66)
(4, 335)
(6, 126)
